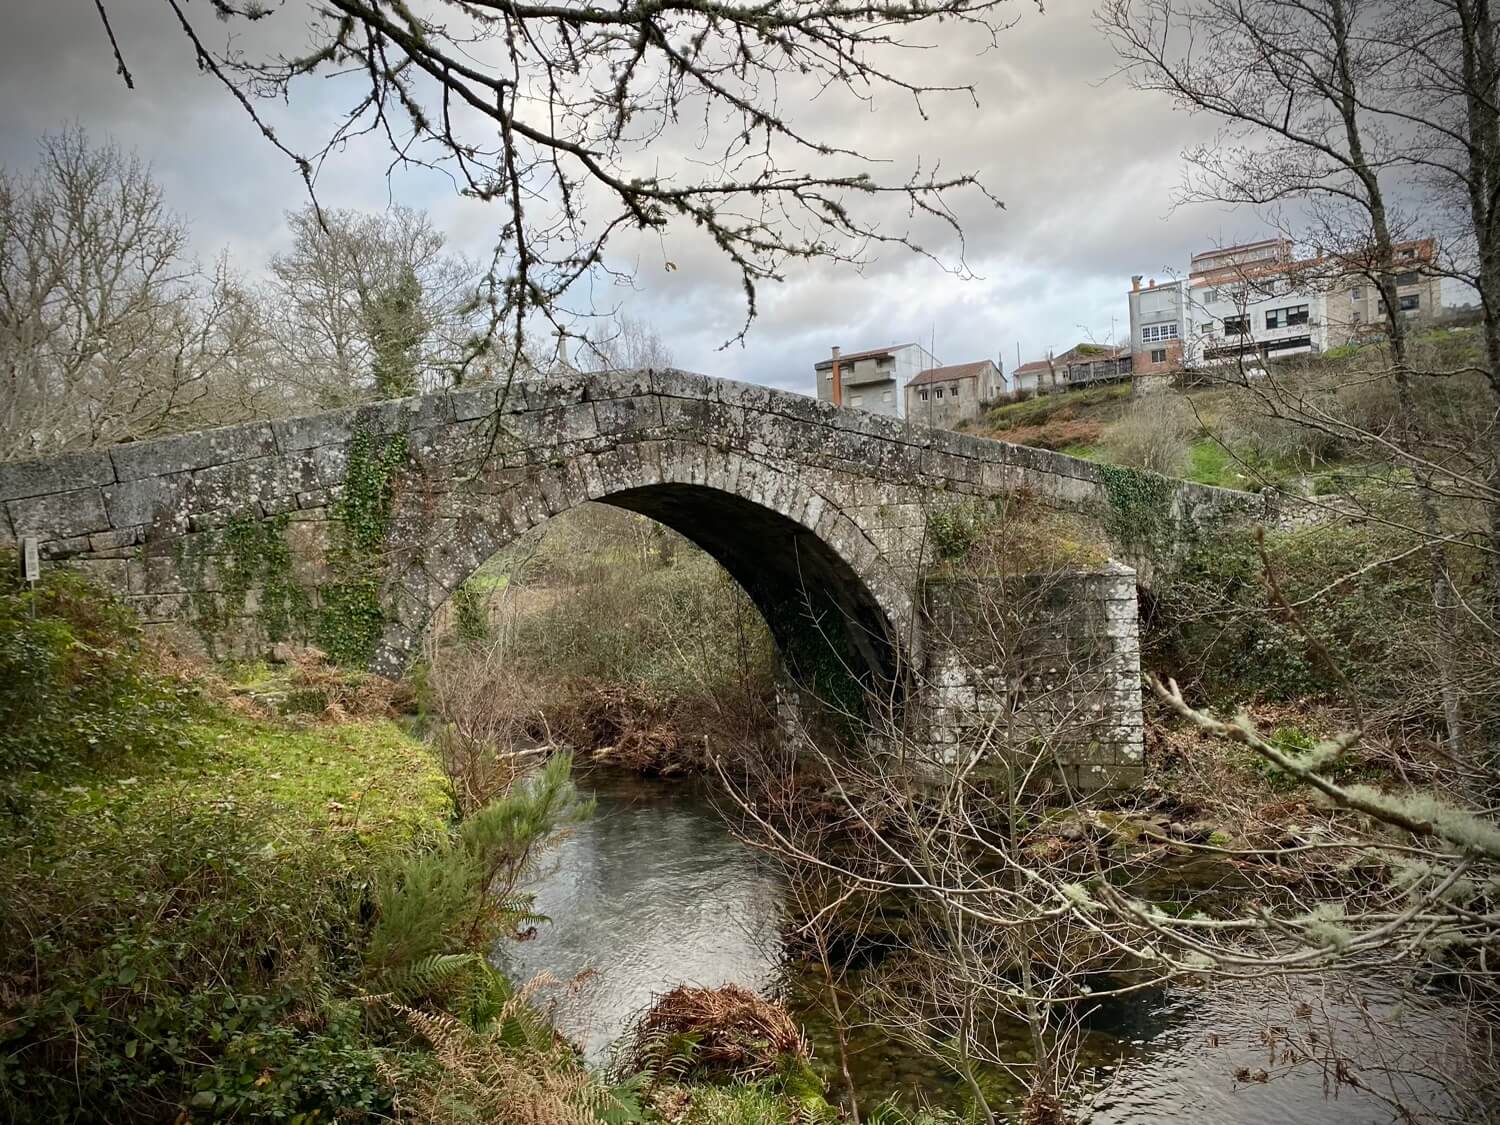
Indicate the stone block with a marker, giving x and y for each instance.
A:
(333, 427)
(401, 415)
(160, 608)
(681, 384)
(65, 548)
(193, 451)
(630, 383)
(685, 417)
(617, 415)
(473, 404)
(108, 541)
(108, 574)
(60, 515)
(65, 472)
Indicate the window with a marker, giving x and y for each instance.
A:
(1411, 278)
(923, 393)
(1158, 355)
(1356, 294)
(1153, 332)
(829, 376)
(1236, 326)
(857, 400)
(1408, 252)
(953, 390)
(885, 396)
(1411, 302)
(940, 392)
(1285, 318)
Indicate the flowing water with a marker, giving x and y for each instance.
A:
(654, 892)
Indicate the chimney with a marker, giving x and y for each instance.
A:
(1151, 284)
(838, 381)
(1135, 283)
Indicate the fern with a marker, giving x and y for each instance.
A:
(419, 905)
(495, 1076)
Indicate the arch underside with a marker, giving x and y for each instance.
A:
(822, 616)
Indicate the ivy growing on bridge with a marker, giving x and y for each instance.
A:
(351, 617)
(1140, 508)
(257, 556)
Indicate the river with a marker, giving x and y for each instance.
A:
(654, 892)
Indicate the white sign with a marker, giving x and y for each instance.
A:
(31, 560)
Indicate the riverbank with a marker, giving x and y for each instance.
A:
(219, 900)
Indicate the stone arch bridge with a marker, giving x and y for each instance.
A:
(358, 524)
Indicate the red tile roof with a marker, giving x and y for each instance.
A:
(953, 371)
(1034, 365)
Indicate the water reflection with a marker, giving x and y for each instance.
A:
(654, 892)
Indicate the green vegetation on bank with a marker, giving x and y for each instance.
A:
(210, 916)
(1358, 589)
(206, 916)
(1219, 433)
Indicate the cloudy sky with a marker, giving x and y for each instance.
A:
(1086, 168)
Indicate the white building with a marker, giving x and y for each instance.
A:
(1160, 329)
(873, 380)
(1249, 301)
(1257, 302)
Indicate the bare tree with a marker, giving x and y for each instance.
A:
(108, 329)
(374, 305)
(1315, 136)
(565, 117)
(625, 344)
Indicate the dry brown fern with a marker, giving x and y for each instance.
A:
(480, 1078)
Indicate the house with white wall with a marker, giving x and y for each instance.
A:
(873, 379)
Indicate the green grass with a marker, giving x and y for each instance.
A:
(486, 583)
(1037, 410)
(356, 793)
(1210, 463)
(1085, 450)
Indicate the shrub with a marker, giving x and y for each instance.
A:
(1154, 433)
(953, 531)
(76, 687)
(1214, 617)
(471, 613)
(161, 958)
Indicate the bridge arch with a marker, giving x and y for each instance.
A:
(818, 578)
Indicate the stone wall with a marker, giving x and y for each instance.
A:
(1043, 665)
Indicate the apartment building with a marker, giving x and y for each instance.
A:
(1255, 301)
(872, 380)
(945, 396)
(1355, 309)
(1258, 301)
(1159, 326)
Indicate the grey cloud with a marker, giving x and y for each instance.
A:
(1085, 166)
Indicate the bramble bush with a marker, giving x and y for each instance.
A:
(1213, 615)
